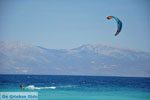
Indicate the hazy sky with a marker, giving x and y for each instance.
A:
(66, 24)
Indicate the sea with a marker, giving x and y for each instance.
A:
(65, 87)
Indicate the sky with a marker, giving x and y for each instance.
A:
(67, 24)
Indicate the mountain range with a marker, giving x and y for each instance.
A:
(90, 59)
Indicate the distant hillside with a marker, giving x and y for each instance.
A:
(90, 59)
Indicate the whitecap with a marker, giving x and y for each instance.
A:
(32, 87)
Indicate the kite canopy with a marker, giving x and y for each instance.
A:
(119, 23)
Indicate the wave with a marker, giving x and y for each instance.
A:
(67, 86)
(32, 87)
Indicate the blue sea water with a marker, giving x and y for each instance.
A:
(51, 87)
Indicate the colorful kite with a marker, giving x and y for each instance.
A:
(118, 22)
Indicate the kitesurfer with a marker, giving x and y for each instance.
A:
(21, 86)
